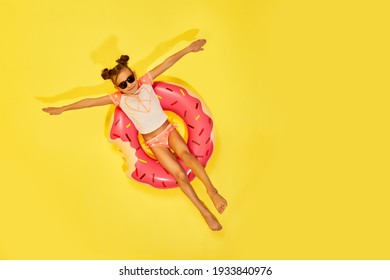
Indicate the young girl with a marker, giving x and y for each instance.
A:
(153, 124)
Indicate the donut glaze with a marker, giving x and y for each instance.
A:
(143, 168)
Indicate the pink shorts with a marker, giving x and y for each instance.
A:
(162, 138)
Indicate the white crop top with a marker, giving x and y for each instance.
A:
(143, 107)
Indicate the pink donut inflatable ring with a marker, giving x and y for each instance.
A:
(199, 126)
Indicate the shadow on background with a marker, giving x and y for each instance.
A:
(106, 55)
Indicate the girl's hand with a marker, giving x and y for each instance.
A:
(53, 110)
(197, 45)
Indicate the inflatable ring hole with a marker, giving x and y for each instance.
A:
(174, 119)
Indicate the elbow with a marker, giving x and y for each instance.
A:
(87, 103)
(169, 62)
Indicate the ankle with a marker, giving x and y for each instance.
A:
(212, 191)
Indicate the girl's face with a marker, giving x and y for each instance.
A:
(126, 82)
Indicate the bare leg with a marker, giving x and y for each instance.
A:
(169, 162)
(180, 147)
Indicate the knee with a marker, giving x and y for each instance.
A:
(186, 156)
(181, 177)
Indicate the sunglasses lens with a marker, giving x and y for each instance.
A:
(123, 85)
(131, 79)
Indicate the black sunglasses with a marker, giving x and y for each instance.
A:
(130, 79)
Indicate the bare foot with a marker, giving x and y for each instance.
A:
(212, 222)
(219, 202)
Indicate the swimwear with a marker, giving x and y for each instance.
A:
(161, 139)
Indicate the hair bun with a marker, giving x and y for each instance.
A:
(106, 74)
(112, 73)
(123, 60)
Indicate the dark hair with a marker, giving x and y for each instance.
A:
(114, 72)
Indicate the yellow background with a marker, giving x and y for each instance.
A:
(299, 93)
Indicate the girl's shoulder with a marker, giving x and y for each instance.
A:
(146, 79)
(116, 97)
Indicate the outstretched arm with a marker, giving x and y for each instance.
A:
(193, 47)
(85, 103)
